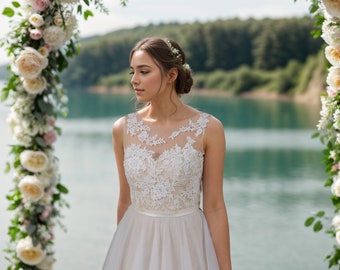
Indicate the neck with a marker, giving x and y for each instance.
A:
(164, 109)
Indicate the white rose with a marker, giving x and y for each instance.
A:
(335, 188)
(31, 188)
(333, 78)
(332, 7)
(36, 20)
(336, 221)
(333, 55)
(55, 36)
(337, 237)
(34, 161)
(35, 86)
(30, 63)
(47, 263)
(29, 254)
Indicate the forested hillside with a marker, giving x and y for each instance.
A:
(223, 45)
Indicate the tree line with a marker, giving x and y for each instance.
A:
(223, 45)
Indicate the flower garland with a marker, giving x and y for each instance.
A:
(40, 43)
(327, 14)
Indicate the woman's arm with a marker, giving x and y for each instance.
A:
(213, 201)
(124, 200)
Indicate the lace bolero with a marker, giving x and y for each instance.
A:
(164, 167)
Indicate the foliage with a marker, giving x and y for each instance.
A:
(327, 15)
(43, 37)
(218, 45)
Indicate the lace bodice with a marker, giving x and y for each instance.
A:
(164, 166)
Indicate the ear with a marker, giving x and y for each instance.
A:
(172, 75)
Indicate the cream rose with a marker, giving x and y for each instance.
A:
(30, 63)
(34, 161)
(55, 36)
(333, 78)
(29, 254)
(331, 33)
(36, 20)
(332, 7)
(44, 51)
(31, 188)
(35, 86)
(333, 55)
(58, 20)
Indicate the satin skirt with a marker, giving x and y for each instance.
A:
(151, 242)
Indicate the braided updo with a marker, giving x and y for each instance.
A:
(168, 54)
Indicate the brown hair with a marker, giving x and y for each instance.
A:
(162, 51)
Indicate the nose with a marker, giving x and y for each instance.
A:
(134, 80)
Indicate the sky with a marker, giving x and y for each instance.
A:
(143, 12)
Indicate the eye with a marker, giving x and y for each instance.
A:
(131, 72)
(144, 72)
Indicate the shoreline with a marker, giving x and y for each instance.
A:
(311, 96)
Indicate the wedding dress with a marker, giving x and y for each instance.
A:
(164, 228)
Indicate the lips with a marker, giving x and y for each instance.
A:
(138, 90)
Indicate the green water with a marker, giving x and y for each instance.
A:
(273, 181)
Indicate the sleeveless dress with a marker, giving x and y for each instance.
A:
(163, 228)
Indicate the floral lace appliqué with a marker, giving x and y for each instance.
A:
(171, 181)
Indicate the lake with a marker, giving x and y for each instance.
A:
(273, 181)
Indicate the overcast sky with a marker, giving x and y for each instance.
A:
(141, 12)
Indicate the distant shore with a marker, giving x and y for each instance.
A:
(311, 96)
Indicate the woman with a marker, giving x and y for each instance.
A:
(166, 153)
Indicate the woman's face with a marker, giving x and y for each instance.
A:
(147, 79)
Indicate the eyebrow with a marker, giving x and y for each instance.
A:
(141, 66)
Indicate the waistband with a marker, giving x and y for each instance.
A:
(178, 213)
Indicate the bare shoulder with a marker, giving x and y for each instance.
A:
(118, 127)
(214, 134)
(214, 125)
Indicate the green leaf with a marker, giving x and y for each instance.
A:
(309, 221)
(45, 107)
(8, 12)
(87, 14)
(40, 141)
(31, 229)
(8, 167)
(62, 188)
(315, 135)
(16, 4)
(317, 226)
(86, 2)
(4, 94)
(328, 182)
(320, 213)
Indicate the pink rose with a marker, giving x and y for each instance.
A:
(50, 137)
(331, 92)
(40, 5)
(36, 34)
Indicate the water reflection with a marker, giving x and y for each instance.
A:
(233, 112)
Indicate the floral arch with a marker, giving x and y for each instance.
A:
(43, 37)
